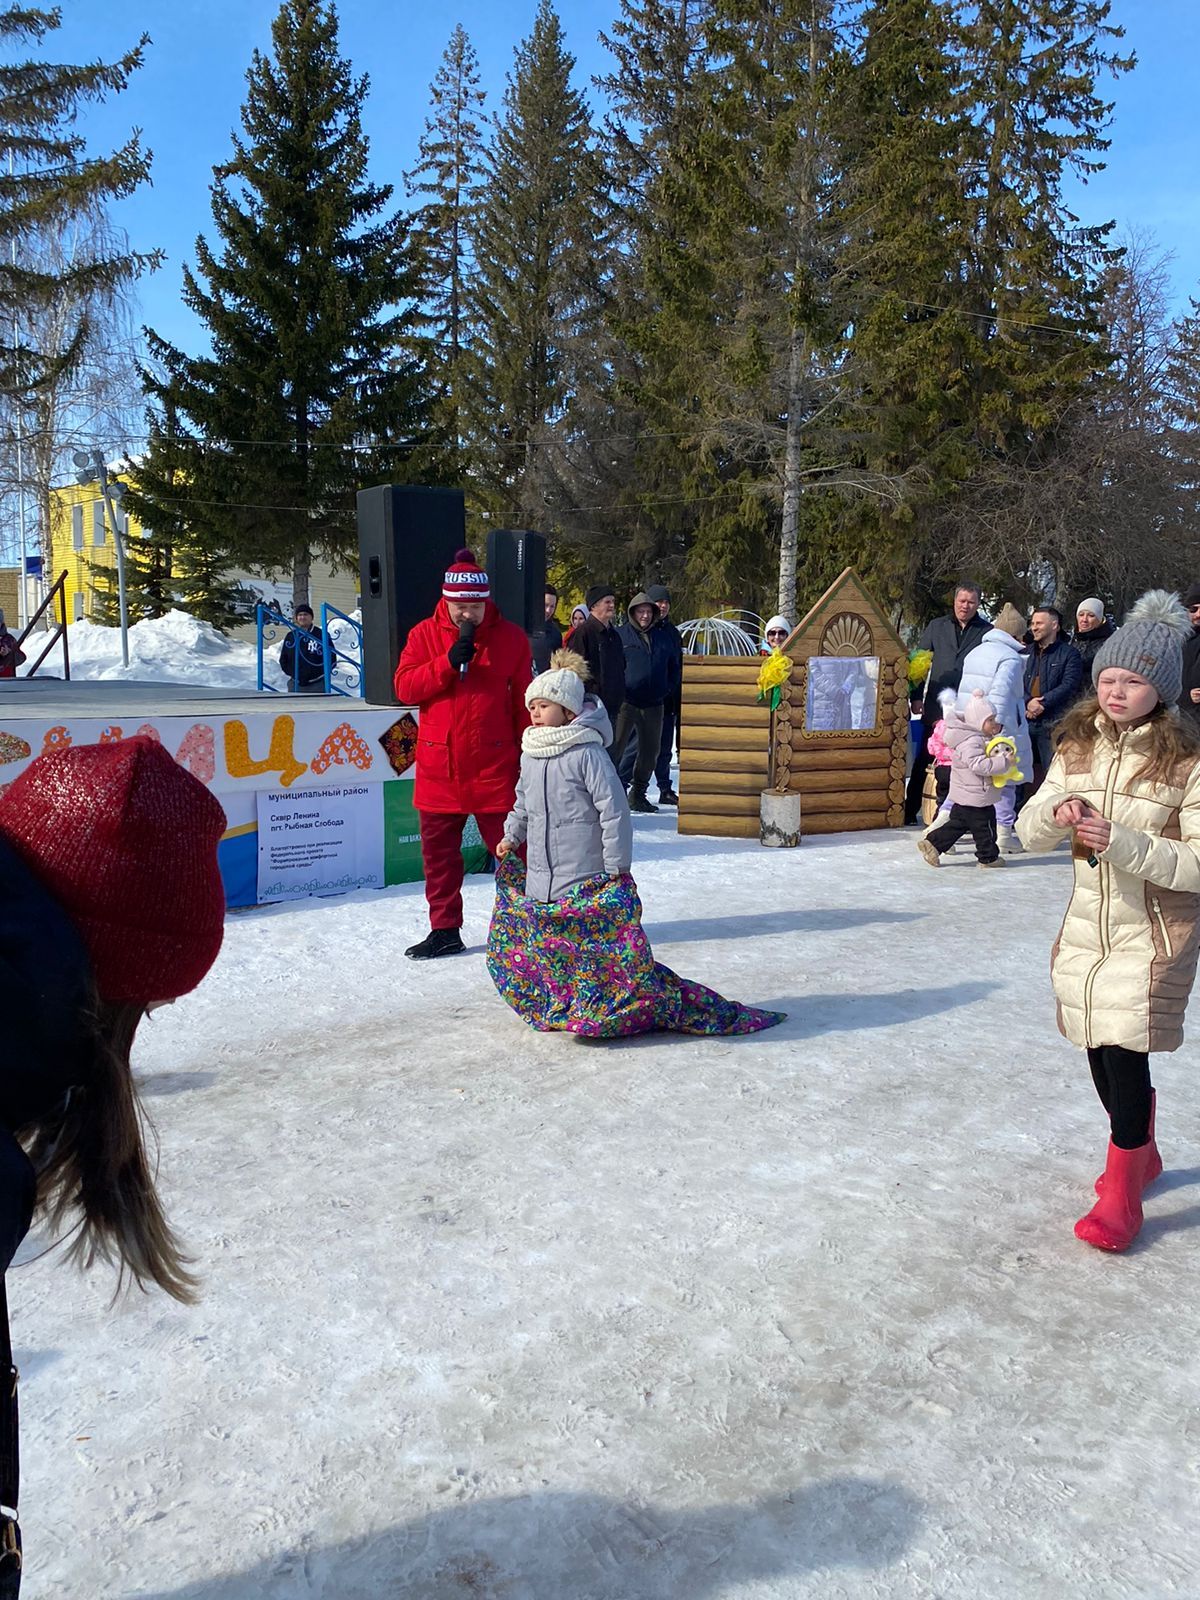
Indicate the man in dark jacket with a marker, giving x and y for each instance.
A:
(1189, 704)
(308, 673)
(598, 642)
(651, 678)
(951, 638)
(548, 637)
(1053, 679)
(11, 654)
(672, 706)
(1091, 631)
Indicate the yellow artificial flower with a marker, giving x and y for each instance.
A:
(919, 664)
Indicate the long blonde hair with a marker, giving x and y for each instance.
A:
(1171, 750)
(91, 1158)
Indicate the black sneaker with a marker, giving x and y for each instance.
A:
(642, 806)
(668, 797)
(440, 942)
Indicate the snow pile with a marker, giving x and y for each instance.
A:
(177, 648)
(488, 1313)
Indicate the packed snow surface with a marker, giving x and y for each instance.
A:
(180, 648)
(492, 1313)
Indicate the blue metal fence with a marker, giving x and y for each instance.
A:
(343, 658)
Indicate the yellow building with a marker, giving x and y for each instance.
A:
(81, 540)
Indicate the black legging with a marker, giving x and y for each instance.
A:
(1122, 1079)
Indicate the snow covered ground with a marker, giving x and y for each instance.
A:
(179, 648)
(488, 1313)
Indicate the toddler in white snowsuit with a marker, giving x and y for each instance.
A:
(969, 725)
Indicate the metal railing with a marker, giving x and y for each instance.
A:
(57, 631)
(351, 664)
(273, 626)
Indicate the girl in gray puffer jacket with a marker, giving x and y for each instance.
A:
(570, 812)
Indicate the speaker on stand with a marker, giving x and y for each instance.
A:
(407, 537)
(516, 564)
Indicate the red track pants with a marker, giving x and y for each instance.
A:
(441, 851)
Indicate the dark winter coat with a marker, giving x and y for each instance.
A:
(1088, 644)
(545, 641)
(674, 638)
(651, 665)
(45, 992)
(312, 655)
(1059, 669)
(469, 735)
(951, 645)
(11, 657)
(600, 646)
(1191, 680)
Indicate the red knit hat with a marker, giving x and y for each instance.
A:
(465, 579)
(126, 840)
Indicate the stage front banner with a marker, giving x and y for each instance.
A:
(319, 841)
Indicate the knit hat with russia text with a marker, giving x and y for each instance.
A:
(465, 579)
(126, 841)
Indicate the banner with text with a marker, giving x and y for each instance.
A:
(319, 841)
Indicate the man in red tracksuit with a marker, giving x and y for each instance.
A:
(466, 669)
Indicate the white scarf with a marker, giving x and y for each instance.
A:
(545, 742)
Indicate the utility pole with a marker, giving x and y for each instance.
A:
(91, 466)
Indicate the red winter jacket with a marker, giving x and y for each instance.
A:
(469, 739)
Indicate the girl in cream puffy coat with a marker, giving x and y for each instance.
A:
(1125, 780)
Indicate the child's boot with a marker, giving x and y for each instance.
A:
(1115, 1221)
(1155, 1166)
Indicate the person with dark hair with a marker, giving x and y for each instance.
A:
(305, 667)
(1189, 702)
(547, 638)
(951, 639)
(599, 643)
(466, 668)
(111, 903)
(1053, 680)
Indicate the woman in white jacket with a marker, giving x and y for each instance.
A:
(996, 666)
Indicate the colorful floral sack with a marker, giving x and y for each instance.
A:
(583, 965)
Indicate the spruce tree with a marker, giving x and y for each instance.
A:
(447, 174)
(52, 181)
(311, 390)
(537, 245)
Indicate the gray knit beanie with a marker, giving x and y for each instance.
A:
(1150, 643)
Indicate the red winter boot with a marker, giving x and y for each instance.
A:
(1155, 1167)
(1115, 1220)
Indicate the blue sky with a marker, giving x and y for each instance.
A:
(187, 98)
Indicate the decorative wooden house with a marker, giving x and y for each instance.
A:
(839, 737)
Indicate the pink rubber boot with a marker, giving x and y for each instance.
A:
(1115, 1221)
(1155, 1167)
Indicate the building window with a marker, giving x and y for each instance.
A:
(78, 607)
(77, 527)
(98, 522)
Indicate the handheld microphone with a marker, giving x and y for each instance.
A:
(466, 630)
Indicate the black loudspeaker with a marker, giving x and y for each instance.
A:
(407, 537)
(516, 564)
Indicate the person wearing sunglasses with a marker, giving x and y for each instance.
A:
(1189, 704)
(774, 635)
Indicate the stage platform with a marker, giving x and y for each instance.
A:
(112, 697)
(317, 789)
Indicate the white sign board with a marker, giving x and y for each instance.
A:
(319, 841)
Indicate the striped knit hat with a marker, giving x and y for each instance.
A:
(465, 579)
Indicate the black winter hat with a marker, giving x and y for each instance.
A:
(598, 592)
(1191, 595)
(657, 592)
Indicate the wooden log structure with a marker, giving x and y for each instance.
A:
(731, 746)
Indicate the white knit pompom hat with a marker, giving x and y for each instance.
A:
(563, 684)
